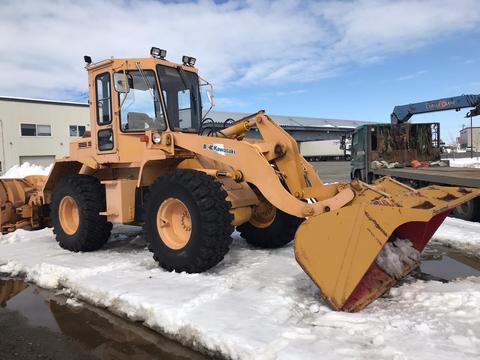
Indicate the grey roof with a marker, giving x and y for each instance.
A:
(42, 101)
(293, 121)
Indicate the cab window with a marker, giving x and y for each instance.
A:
(181, 96)
(140, 106)
(358, 138)
(105, 139)
(104, 99)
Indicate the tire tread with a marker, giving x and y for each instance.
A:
(210, 199)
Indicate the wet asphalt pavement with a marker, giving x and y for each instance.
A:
(37, 324)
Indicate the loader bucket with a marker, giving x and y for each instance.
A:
(348, 252)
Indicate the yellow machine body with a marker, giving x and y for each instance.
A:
(346, 224)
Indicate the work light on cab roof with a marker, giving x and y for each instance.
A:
(158, 53)
(188, 60)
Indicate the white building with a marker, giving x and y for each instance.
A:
(466, 138)
(38, 131)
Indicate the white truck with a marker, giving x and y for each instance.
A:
(322, 150)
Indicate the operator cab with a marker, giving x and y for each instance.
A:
(132, 96)
(142, 106)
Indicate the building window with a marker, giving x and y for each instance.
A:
(35, 130)
(77, 130)
(28, 129)
(44, 130)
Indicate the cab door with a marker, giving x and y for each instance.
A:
(103, 114)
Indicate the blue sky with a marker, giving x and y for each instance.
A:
(350, 59)
(445, 68)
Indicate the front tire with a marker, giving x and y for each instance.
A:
(77, 201)
(187, 221)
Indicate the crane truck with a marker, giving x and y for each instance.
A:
(402, 142)
(146, 162)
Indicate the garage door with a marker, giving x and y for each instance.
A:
(44, 160)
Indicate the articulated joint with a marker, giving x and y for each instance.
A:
(234, 174)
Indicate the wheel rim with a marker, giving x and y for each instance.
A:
(263, 215)
(69, 215)
(174, 223)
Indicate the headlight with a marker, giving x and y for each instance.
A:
(156, 138)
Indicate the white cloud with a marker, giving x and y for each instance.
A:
(411, 76)
(237, 42)
(230, 103)
(470, 61)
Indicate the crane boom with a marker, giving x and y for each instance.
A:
(403, 113)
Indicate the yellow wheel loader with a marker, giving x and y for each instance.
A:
(149, 161)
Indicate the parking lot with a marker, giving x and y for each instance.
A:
(333, 171)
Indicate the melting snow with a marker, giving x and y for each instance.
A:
(465, 162)
(26, 169)
(396, 256)
(459, 234)
(256, 304)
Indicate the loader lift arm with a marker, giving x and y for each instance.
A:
(403, 113)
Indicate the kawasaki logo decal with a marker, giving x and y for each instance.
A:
(219, 149)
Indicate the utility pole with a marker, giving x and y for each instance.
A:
(471, 137)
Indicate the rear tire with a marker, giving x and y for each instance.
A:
(469, 211)
(274, 233)
(187, 221)
(77, 201)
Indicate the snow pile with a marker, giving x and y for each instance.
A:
(396, 256)
(256, 304)
(459, 234)
(26, 169)
(24, 236)
(466, 162)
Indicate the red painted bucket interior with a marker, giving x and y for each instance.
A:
(376, 282)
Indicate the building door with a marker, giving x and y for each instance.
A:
(44, 160)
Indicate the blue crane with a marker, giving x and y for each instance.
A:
(403, 113)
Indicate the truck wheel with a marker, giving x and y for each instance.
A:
(269, 227)
(77, 201)
(357, 175)
(187, 221)
(469, 211)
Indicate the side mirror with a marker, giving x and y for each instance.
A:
(210, 96)
(120, 80)
(209, 93)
